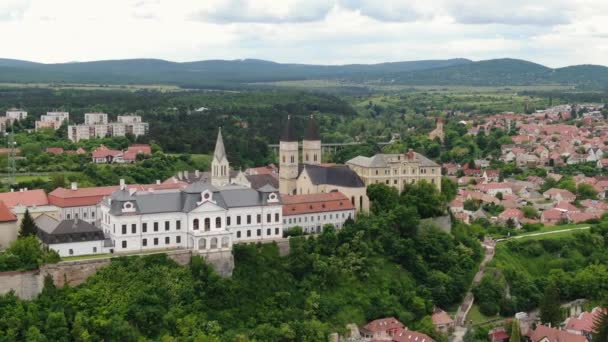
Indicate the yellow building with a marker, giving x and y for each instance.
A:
(396, 170)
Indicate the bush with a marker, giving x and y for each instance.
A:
(26, 254)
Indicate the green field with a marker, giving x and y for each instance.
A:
(478, 318)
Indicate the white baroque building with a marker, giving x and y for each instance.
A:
(204, 216)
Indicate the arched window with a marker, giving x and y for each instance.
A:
(202, 244)
(218, 222)
(225, 242)
(292, 159)
(315, 157)
(207, 224)
(283, 159)
(360, 202)
(195, 224)
(306, 157)
(352, 200)
(213, 244)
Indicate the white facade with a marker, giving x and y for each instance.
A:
(88, 213)
(211, 220)
(52, 120)
(314, 222)
(79, 248)
(15, 114)
(95, 118)
(128, 119)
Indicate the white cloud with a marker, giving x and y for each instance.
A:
(553, 32)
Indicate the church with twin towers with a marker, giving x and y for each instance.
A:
(301, 169)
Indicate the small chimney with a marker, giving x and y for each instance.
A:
(196, 173)
(410, 153)
(158, 181)
(24, 189)
(186, 174)
(180, 175)
(122, 184)
(12, 190)
(74, 186)
(21, 190)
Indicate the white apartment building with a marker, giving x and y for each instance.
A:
(96, 126)
(52, 120)
(200, 217)
(95, 118)
(128, 119)
(14, 114)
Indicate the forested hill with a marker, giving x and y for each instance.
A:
(236, 73)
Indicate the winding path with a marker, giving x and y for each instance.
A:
(490, 249)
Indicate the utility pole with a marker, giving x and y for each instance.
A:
(11, 157)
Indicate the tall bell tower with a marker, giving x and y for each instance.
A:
(311, 146)
(220, 168)
(288, 159)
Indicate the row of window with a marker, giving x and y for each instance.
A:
(196, 223)
(312, 218)
(144, 227)
(71, 251)
(277, 231)
(396, 181)
(68, 216)
(155, 241)
(404, 171)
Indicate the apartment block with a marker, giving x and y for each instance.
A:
(52, 120)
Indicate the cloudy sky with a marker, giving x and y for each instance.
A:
(552, 32)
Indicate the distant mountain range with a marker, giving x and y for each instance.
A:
(224, 73)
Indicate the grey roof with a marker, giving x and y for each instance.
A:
(53, 231)
(380, 160)
(312, 132)
(165, 201)
(339, 175)
(260, 181)
(289, 133)
(220, 151)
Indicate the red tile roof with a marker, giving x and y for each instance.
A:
(441, 317)
(27, 198)
(584, 322)
(383, 324)
(314, 203)
(102, 152)
(63, 198)
(554, 335)
(5, 214)
(54, 150)
(404, 335)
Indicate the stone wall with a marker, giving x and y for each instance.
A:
(28, 284)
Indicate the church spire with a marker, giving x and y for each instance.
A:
(312, 132)
(220, 151)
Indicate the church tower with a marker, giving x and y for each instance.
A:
(220, 168)
(311, 146)
(288, 159)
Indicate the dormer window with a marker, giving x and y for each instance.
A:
(206, 196)
(128, 207)
(273, 197)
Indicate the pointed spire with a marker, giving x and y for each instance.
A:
(289, 133)
(220, 151)
(312, 132)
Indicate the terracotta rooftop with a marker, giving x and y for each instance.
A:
(544, 333)
(62, 197)
(5, 214)
(441, 317)
(383, 324)
(584, 322)
(26, 198)
(404, 335)
(314, 203)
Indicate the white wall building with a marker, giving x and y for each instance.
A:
(95, 118)
(200, 217)
(71, 237)
(52, 120)
(14, 114)
(312, 212)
